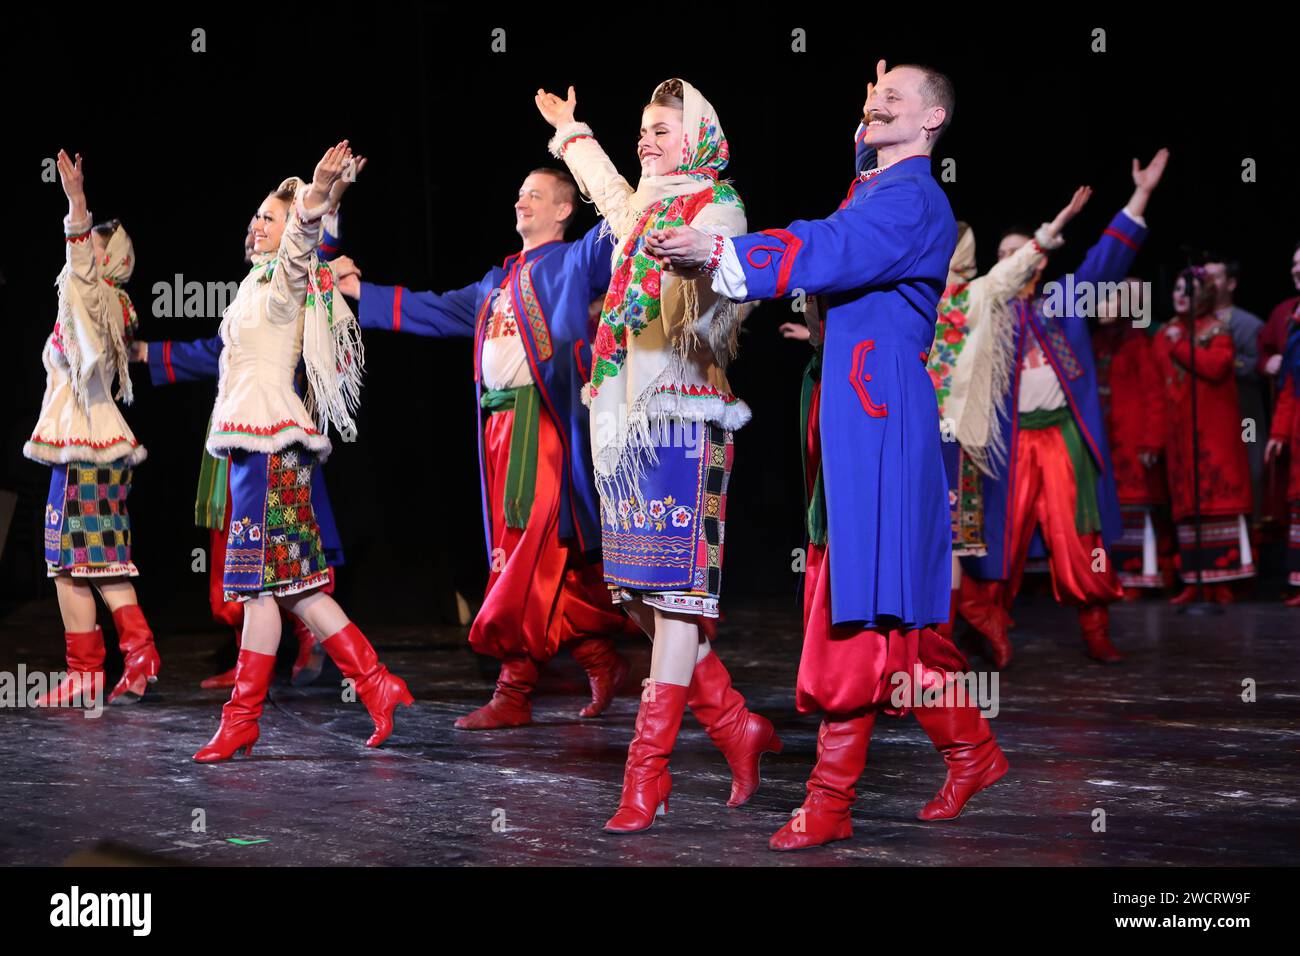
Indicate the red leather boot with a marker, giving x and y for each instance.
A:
(1095, 621)
(85, 652)
(311, 658)
(826, 812)
(974, 759)
(379, 689)
(1292, 601)
(742, 735)
(238, 730)
(981, 603)
(140, 657)
(1186, 596)
(511, 703)
(606, 670)
(225, 678)
(646, 780)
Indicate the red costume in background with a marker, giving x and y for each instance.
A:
(1133, 403)
(1222, 470)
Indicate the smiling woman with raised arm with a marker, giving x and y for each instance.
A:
(662, 417)
(286, 308)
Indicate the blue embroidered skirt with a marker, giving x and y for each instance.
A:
(669, 553)
(274, 545)
(87, 528)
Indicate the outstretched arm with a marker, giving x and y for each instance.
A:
(170, 362)
(596, 175)
(301, 233)
(861, 245)
(1111, 258)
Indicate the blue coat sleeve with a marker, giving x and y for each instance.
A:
(1110, 259)
(171, 362)
(435, 314)
(876, 241)
(592, 255)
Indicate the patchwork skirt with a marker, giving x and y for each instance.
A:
(87, 528)
(274, 543)
(669, 552)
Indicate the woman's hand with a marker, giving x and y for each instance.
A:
(1273, 449)
(138, 351)
(349, 176)
(1148, 458)
(1072, 209)
(74, 185)
(680, 248)
(795, 330)
(328, 171)
(554, 110)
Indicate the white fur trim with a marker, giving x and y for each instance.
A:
(222, 445)
(564, 132)
(1046, 239)
(67, 454)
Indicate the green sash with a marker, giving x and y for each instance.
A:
(814, 506)
(1087, 517)
(210, 501)
(521, 472)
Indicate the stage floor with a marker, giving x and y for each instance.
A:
(1184, 770)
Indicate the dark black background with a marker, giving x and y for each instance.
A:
(183, 146)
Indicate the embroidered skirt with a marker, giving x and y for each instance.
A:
(670, 553)
(1135, 554)
(87, 528)
(1225, 553)
(965, 501)
(274, 543)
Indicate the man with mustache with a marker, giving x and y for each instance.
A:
(879, 579)
(532, 354)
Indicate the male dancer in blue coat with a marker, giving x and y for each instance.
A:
(873, 592)
(1058, 476)
(532, 354)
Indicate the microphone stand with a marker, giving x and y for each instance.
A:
(1199, 607)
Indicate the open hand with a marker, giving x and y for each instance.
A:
(74, 181)
(554, 110)
(1146, 179)
(1072, 209)
(349, 176)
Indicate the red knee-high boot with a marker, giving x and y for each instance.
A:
(238, 730)
(379, 689)
(826, 812)
(742, 735)
(606, 669)
(646, 780)
(974, 759)
(982, 603)
(140, 657)
(1095, 622)
(85, 652)
(511, 703)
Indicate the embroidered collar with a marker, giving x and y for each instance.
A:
(867, 174)
(527, 255)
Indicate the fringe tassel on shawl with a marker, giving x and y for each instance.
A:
(336, 358)
(104, 317)
(991, 364)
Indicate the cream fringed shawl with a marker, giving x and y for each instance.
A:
(97, 320)
(974, 349)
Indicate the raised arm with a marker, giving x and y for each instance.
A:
(596, 175)
(1112, 256)
(301, 234)
(1011, 274)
